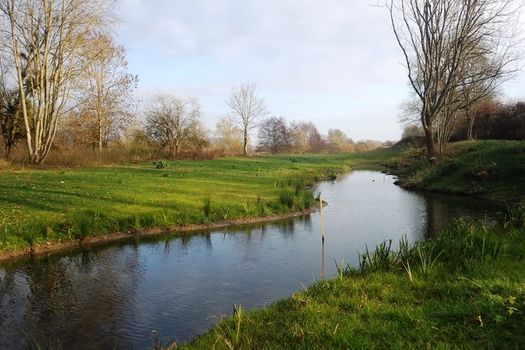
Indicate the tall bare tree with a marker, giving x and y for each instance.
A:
(274, 135)
(44, 39)
(171, 120)
(106, 89)
(247, 110)
(440, 38)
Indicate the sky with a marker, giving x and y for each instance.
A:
(332, 62)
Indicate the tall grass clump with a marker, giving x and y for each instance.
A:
(463, 244)
(286, 198)
(206, 207)
(513, 217)
(460, 246)
(381, 259)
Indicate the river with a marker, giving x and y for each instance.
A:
(113, 297)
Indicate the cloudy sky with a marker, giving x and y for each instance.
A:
(332, 62)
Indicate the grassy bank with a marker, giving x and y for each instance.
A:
(492, 169)
(464, 289)
(56, 205)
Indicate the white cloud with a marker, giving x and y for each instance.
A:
(334, 62)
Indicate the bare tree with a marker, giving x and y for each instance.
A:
(172, 120)
(274, 135)
(446, 121)
(44, 40)
(306, 138)
(106, 89)
(440, 38)
(247, 110)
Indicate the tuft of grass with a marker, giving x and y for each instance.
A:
(381, 259)
(206, 207)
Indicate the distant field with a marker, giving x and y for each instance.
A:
(38, 206)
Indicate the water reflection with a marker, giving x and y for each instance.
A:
(113, 297)
(439, 209)
(56, 301)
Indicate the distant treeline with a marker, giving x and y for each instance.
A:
(76, 141)
(494, 120)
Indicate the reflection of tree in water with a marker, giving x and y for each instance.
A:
(74, 300)
(441, 210)
(206, 238)
(287, 228)
(183, 242)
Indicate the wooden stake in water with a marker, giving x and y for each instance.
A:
(321, 217)
(321, 220)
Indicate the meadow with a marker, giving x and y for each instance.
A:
(45, 206)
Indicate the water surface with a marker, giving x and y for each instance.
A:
(114, 296)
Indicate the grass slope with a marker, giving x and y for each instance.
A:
(38, 206)
(494, 169)
(464, 290)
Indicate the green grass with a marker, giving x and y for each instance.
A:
(465, 289)
(494, 169)
(38, 206)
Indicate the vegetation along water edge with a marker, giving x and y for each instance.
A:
(461, 289)
(54, 209)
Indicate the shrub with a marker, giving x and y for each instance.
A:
(159, 164)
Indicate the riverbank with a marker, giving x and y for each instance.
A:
(487, 169)
(138, 234)
(45, 211)
(464, 289)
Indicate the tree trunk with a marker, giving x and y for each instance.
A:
(471, 117)
(429, 141)
(100, 134)
(245, 144)
(7, 150)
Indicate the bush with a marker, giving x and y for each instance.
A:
(159, 164)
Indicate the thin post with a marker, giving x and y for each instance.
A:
(321, 217)
(321, 220)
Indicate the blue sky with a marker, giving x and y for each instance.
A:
(332, 62)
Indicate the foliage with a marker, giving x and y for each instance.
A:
(494, 120)
(159, 164)
(104, 111)
(274, 135)
(174, 122)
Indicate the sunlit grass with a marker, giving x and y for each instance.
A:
(51, 205)
(494, 169)
(465, 289)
